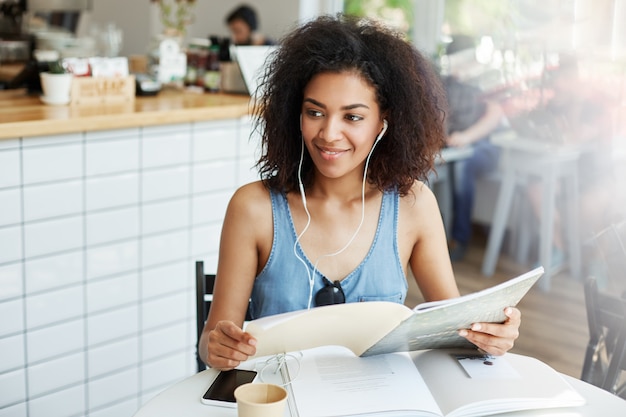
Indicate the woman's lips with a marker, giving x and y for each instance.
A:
(331, 154)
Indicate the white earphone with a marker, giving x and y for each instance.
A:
(382, 132)
(311, 275)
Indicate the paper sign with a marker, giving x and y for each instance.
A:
(483, 366)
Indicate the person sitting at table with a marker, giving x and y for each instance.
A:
(243, 24)
(470, 121)
(341, 212)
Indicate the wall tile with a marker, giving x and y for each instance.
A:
(205, 239)
(164, 147)
(214, 176)
(112, 325)
(114, 191)
(249, 141)
(169, 215)
(54, 140)
(110, 135)
(111, 156)
(48, 376)
(6, 144)
(12, 387)
(109, 226)
(43, 238)
(163, 341)
(53, 271)
(53, 306)
(12, 349)
(165, 183)
(11, 281)
(247, 172)
(12, 313)
(50, 200)
(17, 410)
(67, 402)
(164, 372)
(56, 340)
(210, 207)
(10, 244)
(11, 206)
(166, 279)
(51, 163)
(215, 141)
(162, 311)
(112, 259)
(113, 357)
(164, 248)
(112, 388)
(109, 293)
(9, 168)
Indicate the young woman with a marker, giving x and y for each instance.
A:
(351, 118)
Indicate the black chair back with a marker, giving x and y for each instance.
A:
(204, 297)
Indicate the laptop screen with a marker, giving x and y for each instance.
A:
(251, 60)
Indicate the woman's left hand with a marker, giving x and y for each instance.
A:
(495, 338)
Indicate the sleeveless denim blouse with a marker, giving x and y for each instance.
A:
(283, 284)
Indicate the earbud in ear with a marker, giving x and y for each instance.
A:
(382, 132)
(300, 122)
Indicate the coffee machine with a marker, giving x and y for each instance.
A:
(22, 70)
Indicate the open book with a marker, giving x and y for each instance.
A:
(332, 382)
(376, 327)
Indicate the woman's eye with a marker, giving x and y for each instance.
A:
(314, 113)
(353, 117)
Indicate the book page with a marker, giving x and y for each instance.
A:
(437, 326)
(333, 382)
(523, 383)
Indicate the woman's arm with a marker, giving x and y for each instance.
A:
(223, 343)
(422, 233)
(430, 264)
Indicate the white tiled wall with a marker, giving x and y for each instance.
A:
(99, 233)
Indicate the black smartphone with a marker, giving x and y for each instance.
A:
(222, 390)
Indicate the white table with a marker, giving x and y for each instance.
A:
(183, 399)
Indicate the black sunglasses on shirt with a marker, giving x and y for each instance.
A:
(331, 293)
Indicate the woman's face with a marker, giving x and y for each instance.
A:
(340, 122)
(240, 32)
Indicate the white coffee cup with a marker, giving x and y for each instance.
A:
(260, 400)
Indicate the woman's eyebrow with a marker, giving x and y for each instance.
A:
(348, 107)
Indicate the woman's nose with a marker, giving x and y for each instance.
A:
(330, 130)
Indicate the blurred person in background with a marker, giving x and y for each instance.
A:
(243, 24)
(470, 120)
(579, 114)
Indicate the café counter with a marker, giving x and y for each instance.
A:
(23, 115)
(103, 212)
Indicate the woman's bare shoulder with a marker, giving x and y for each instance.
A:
(418, 199)
(250, 198)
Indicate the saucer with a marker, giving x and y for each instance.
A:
(54, 101)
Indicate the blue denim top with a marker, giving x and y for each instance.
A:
(283, 284)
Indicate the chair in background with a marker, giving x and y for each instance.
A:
(605, 298)
(204, 297)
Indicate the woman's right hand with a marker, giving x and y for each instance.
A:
(228, 346)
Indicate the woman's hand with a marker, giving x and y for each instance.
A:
(495, 338)
(228, 346)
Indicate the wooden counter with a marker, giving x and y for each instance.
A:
(22, 115)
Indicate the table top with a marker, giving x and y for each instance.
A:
(183, 399)
(23, 115)
(509, 139)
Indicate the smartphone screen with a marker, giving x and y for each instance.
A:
(222, 390)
